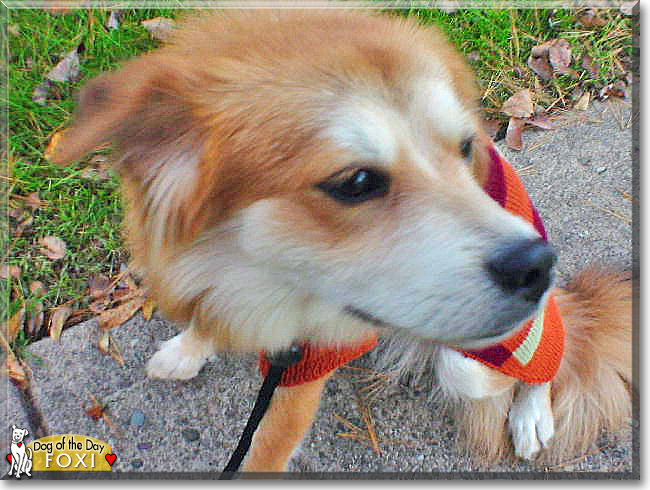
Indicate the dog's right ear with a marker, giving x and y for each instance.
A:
(138, 110)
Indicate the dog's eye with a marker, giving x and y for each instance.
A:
(356, 185)
(466, 147)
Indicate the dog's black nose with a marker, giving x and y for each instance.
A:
(524, 269)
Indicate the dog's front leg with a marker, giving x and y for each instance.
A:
(284, 425)
(531, 419)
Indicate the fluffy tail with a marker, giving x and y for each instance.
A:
(592, 390)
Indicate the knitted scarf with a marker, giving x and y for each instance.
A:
(532, 354)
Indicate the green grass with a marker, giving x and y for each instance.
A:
(86, 214)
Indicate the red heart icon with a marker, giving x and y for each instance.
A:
(111, 458)
(9, 457)
(19, 444)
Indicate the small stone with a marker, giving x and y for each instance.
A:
(600, 170)
(137, 418)
(191, 434)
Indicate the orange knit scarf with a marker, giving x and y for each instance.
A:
(533, 354)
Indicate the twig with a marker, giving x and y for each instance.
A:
(612, 213)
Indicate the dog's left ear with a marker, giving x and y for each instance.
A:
(481, 157)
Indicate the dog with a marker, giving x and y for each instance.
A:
(21, 455)
(318, 176)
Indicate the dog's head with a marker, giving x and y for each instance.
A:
(306, 167)
(17, 434)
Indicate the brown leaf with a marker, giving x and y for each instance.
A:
(108, 346)
(37, 288)
(117, 316)
(98, 286)
(67, 69)
(588, 18)
(15, 371)
(57, 321)
(541, 120)
(491, 127)
(55, 139)
(34, 201)
(25, 224)
(559, 55)
(541, 67)
(519, 105)
(53, 247)
(592, 68)
(113, 21)
(583, 102)
(34, 320)
(513, 134)
(96, 410)
(99, 306)
(39, 95)
(159, 27)
(13, 326)
(7, 271)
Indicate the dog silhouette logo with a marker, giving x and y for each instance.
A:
(20, 457)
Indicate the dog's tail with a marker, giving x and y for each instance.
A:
(592, 390)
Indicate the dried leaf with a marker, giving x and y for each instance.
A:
(559, 55)
(33, 200)
(25, 224)
(513, 134)
(39, 95)
(113, 21)
(98, 286)
(159, 27)
(592, 68)
(15, 371)
(519, 105)
(147, 308)
(491, 127)
(7, 271)
(37, 288)
(588, 18)
(541, 120)
(34, 320)
(53, 247)
(13, 326)
(583, 102)
(96, 410)
(99, 306)
(117, 316)
(108, 346)
(541, 67)
(67, 69)
(57, 321)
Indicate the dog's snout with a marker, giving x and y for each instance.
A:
(524, 269)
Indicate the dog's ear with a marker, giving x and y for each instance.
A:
(138, 110)
(13, 427)
(481, 157)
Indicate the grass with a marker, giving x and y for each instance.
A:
(86, 213)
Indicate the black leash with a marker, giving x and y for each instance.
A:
(280, 362)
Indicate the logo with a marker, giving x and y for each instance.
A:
(64, 452)
(20, 458)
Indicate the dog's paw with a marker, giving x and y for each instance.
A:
(176, 360)
(531, 420)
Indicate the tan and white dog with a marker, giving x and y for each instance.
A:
(306, 175)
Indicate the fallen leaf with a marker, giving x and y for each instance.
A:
(33, 200)
(15, 371)
(588, 18)
(159, 27)
(559, 55)
(39, 95)
(513, 134)
(113, 21)
(67, 69)
(14, 325)
(57, 321)
(98, 286)
(37, 288)
(592, 68)
(53, 247)
(117, 316)
(107, 345)
(583, 102)
(97, 307)
(7, 271)
(540, 120)
(34, 320)
(519, 105)
(148, 307)
(96, 410)
(491, 127)
(25, 224)
(51, 146)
